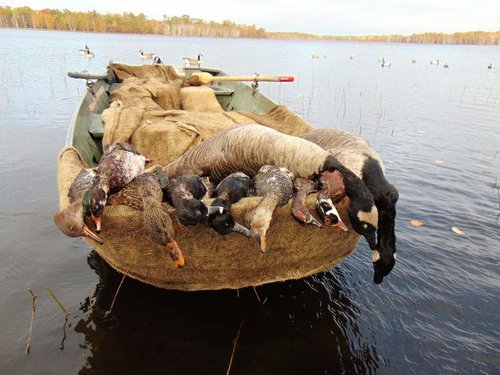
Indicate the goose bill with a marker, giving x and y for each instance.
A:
(242, 229)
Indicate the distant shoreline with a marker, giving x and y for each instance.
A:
(25, 18)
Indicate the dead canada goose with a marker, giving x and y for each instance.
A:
(357, 155)
(189, 61)
(146, 55)
(247, 148)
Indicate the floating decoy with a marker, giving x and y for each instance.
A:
(315, 56)
(351, 57)
(491, 66)
(247, 148)
(435, 62)
(144, 193)
(385, 64)
(157, 60)
(445, 65)
(413, 61)
(301, 188)
(185, 194)
(229, 191)
(274, 184)
(189, 61)
(357, 155)
(70, 220)
(119, 165)
(146, 55)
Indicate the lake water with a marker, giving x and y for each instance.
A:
(438, 131)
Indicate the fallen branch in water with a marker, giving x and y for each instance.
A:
(33, 308)
(235, 342)
(65, 312)
(114, 298)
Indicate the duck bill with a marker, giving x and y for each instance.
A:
(342, 226)
(262, 240)
(242, 229)
(97, 221)
(89, 234)
(176, 254)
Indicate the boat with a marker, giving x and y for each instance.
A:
(213, 261)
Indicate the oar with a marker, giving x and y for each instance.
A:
(109, 77)
(205, 78)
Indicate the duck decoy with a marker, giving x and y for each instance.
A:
(185, 194)
(146, 55)
(301, 188)
(119, 165)
(357, 155)
(229, 191)
(189, 61)
(274, 184)
(144, 193)
(247, 148)
(70, 220)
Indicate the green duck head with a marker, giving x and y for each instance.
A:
(93, 204)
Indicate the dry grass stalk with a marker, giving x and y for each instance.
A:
(114, 298)
(33, 308)
(257, 294)
(65, 312)
(235, 342)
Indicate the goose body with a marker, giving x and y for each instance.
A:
(274, 184)
(119, 165)
(357, 155)
(189, 61)
(230, 190)
(247, 148)
(146, 55)
(185, 194)
(145, 194)
(70, 220)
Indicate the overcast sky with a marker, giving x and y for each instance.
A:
(335, 17)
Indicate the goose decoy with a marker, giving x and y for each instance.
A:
(157, 60)
(185, 194)
(357, 155)
(247, 148)
(435, 62)
(70, 220)
(189, 61)
(301, 188)
(413, 61)
(230, 190)
(87, 53)
(491, 66)
(146, 55)
(119, 165)
(385, 64)
(445, 65)
(144, 193)
(274, 184)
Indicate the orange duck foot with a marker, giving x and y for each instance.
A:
(176, 254)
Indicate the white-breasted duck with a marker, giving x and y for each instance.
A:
(185, 194)
(70, 220)
(274, 184)
(145, 194)
(119, 165)
(229, 191)
(247, 148)
(356, 154)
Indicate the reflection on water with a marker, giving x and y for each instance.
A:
(153, 329)
(437, 131)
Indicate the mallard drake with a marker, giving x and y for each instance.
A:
(145, 194)
(119, 165)
(274, 184)
(301, 188)
(70, 220)
(185, 194)
(247, 148)
(230, 190)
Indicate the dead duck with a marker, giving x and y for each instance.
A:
(356, 154)
(247, 148)
(70, 220)
(189, 61)
(301, 188)
(119, 165)
(185, 194)
(326, 200)
(274, 184)
(145, 194)
(146, 55)
(229, 191)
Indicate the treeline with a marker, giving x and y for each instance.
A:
(91, 21)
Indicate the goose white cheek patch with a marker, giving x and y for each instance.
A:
(375, 256)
